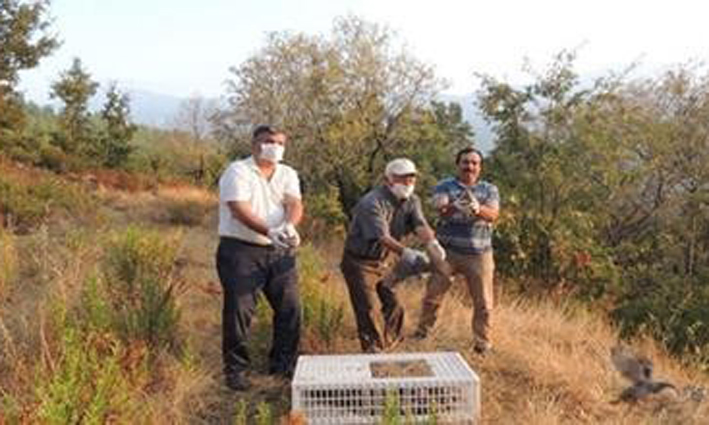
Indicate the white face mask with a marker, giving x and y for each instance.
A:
(402, 191)
(272, 152)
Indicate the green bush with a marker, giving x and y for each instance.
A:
(141, 286)
(323, 316)
(186, 212)
(26, 202)
(86, 383)
(8, 261)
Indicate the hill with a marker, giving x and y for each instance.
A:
(550, 363)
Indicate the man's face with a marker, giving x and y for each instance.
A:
(266, 138)
(469, 166)
(406, 179)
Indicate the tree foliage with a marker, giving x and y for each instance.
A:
(74, 88)
(24, 40)
(350, 102)
(606, 193)
(114, 144)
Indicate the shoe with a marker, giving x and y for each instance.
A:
(237, 382)
(482, 348)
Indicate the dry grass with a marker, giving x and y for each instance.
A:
(550, 364)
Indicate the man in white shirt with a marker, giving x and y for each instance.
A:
(259, 207)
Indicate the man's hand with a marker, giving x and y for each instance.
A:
(278, 237)
(440, 200)
(468, 205)
(291, 235)
(414, 258)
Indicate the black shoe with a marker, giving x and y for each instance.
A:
(237, 382)
(482, 349)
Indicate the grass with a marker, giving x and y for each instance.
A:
(67, 358)
(8, 261)
(29, 197)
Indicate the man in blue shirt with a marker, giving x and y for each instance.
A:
(467, 209)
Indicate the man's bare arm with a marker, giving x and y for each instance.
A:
(294, 209)
(241, 210)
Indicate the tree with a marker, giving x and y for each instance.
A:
(74, 88)
(115, 144)
(24, 40)
(195, 115)
(346, 102)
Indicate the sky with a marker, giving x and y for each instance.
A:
(185, 48)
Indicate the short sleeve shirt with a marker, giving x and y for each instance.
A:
(243, 181)
(380, 213)
(461, 233)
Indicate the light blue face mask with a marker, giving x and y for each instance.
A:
(272, 152)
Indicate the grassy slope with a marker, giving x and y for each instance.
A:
(550, 363)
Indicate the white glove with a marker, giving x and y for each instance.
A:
(468, 205)
(277, 235)
(436, 250)
(291, 235)
(414, 257)
(440, 200)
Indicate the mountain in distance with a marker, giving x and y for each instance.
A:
(146, 107)
(160, 110)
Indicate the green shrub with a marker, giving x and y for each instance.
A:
(141, 286)
(186, 212)
(8, 261)
(392, 409)
(241, 414)
(26, 202)
(264, 415)
(86, 383)
(323, 316)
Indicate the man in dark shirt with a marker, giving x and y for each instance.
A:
(381, 219)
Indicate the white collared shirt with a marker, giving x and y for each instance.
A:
(243, 181)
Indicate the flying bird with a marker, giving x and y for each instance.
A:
(638, 370)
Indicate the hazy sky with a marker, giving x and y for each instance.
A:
(182, 47)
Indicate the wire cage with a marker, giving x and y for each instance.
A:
(365, 388)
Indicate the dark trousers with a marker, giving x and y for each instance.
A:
(365, 285)
(244, 270)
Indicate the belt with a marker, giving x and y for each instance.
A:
(230, 239)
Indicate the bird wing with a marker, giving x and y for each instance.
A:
(630, 366)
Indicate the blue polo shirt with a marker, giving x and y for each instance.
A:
(461, 233)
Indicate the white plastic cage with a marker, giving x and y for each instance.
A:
(366, 388)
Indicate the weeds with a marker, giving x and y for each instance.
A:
(241, 414)
(26, 202)
(85, 382)
(8, 261)
(264, 415)
(391, 415)
(323, 317)
(187, 212)
(141, 286)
